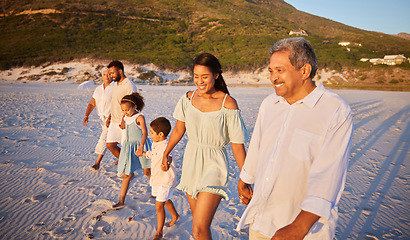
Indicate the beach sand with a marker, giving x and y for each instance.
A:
(47, 190)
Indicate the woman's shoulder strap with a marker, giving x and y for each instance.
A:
(223, 103)
(190, 94)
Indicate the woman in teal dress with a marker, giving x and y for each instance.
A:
(211, 119)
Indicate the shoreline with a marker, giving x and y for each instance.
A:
(382, 88)
(83, 70)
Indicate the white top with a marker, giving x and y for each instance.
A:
(297, 159)
(159, 177)
(133, 118)
(121, 89)
(103, 99)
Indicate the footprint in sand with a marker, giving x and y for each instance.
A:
(72, 181)
(37, 226)
(60, 232)
(115, 179)
(68, 219)
(37, 198)
(96, 192)
(40, 197)
(367, 211)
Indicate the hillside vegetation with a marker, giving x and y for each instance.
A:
(169, 33)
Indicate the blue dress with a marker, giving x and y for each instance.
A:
(129, 162)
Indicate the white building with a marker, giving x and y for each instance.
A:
(376, 61)
(344, 44)
(394, 59)
(298, 33)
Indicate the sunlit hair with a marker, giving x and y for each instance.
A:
(135, 99)
(301, 52)
(161, 124)
(103, 70)
(210, 61)
(117, 64)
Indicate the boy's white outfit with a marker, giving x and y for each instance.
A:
(102, 97)
(162, 183)
(125, 87)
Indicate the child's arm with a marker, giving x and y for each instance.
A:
(141, 122)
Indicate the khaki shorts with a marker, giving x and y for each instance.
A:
(254, 235)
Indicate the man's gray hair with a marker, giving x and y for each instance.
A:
(301, 52)
(103, 69)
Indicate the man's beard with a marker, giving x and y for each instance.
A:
(117, 79)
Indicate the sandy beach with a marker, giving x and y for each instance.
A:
(47, 190)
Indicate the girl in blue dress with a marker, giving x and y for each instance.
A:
(134, 144)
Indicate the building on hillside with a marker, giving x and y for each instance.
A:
(364, 59)
(376, 61)
(298, 33)
(344, 44)
(394, 59)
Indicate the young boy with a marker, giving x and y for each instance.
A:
(162, 182)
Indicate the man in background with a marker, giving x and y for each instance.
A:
(122, 86)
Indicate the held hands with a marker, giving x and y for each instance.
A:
(245, 192)
(122, 125)
(107, 123)
(166, 162)
(139, 152)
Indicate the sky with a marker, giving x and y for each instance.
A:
(387, 16)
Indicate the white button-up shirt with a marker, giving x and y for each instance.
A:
(103, 99)
(297, 160)
(159, 177)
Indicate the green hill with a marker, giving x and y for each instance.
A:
(169, 33)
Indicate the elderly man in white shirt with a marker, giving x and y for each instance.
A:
(298, 155)
(102, 100)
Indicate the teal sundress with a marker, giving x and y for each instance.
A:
(129, 162)
(205, 163)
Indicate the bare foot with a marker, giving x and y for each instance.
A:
(115, 163)
(95, 167)
(173, 221)
(118, 206)
(158, 236)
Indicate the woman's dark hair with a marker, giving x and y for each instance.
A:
(135, 99)
(210, 61)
